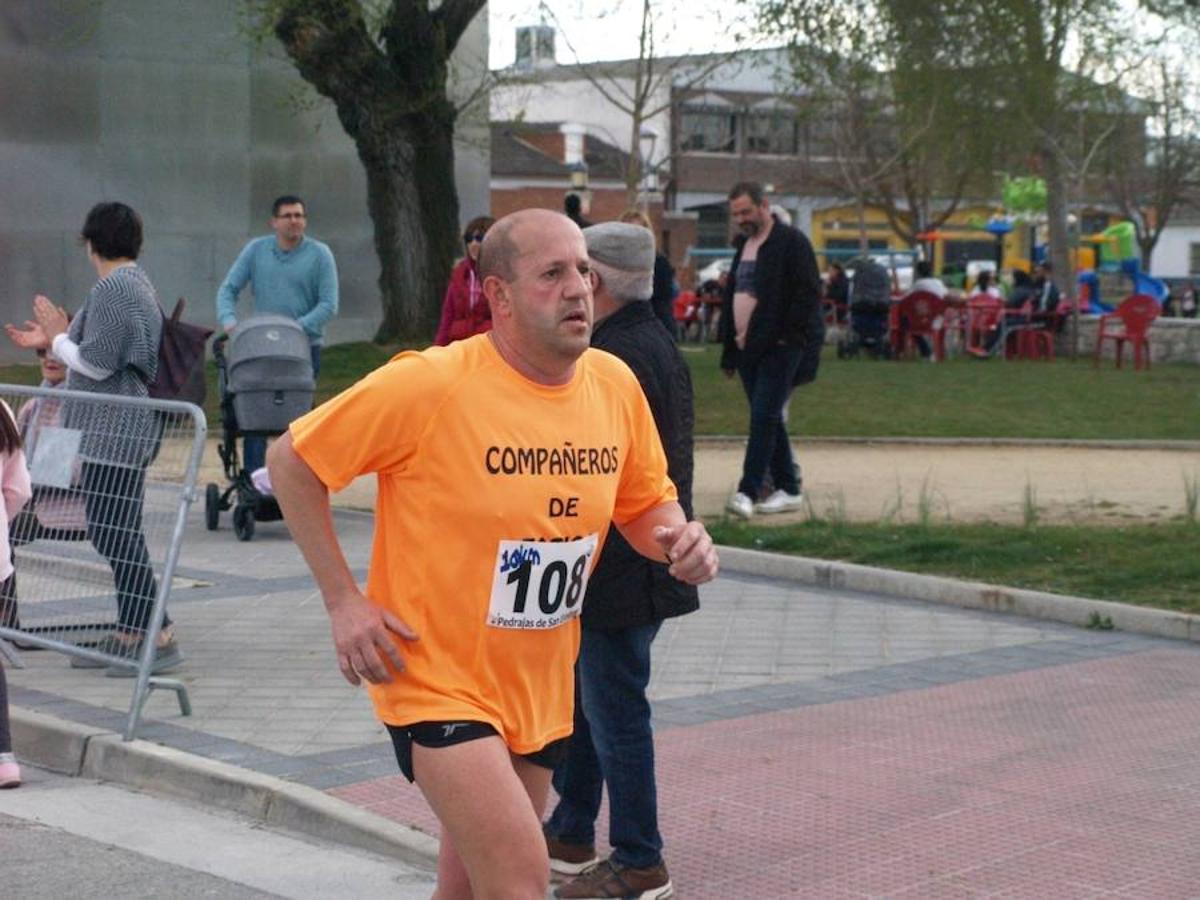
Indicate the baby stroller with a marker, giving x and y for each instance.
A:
(265, 380)
(870, 305)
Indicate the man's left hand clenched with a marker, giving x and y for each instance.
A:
(689, 551)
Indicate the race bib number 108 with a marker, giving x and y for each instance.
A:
(540, 584)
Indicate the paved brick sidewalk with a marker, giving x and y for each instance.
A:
(811, 743)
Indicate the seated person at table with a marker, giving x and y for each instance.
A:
(1023, 290)
(984, 285)
(926, 280)
(1047, 291)
(837, 290)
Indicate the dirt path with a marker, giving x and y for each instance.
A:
(972, 483)
(868, 482)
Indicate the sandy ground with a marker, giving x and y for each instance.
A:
(869, 482)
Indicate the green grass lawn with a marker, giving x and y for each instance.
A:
(965, 397)
(341, 366)
(868, 398)
(1148, 565)
(1156, 565)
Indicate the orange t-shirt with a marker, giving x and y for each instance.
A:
(494, 497)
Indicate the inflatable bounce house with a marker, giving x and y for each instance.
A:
(1116, 271)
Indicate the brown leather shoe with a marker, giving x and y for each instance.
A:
(569, 859)
(610, 879)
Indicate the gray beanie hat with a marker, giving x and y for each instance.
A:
(627, 249)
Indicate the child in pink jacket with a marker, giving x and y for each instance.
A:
(14, 484)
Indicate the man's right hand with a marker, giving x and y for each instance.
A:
(363, 634)
(229, 328)
(729, 373)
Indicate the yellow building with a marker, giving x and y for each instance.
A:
(960, 239)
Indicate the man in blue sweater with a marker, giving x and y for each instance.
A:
(290, 275)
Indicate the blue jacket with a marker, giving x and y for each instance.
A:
(301, 283)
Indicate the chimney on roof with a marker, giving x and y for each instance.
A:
(535, 48)
(573, 142)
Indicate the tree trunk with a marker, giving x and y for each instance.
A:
(1060, 249)
(389, 88)
(413, 204)
(1146, 245)
(860, 208)
(633, 165)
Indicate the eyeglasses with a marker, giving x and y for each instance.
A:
(472, 238)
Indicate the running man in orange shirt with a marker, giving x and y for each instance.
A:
(501, 462)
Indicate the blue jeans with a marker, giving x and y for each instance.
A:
(254, 449)
(613, 744)
(768, 384)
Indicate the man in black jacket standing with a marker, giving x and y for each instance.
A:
(772, 334)
(627, 599)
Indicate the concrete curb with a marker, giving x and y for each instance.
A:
(99, 754)
(968, 594)
(724, 440)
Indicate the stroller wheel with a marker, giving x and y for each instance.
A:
(212, 506)
(243, 522)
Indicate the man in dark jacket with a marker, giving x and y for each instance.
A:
(772, 333)
(627, 599)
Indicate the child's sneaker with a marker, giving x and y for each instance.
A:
(10, 772)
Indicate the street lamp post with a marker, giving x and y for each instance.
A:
(649, 175)
(578, 173)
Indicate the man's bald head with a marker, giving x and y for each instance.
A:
(502, 245)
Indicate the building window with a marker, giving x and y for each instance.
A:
(712, 226)
(959, 253)
(1194, 259)
(707, 130)
(821, 133)
(771, 132)
(843, 247)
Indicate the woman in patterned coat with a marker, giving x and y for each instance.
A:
(111, 347)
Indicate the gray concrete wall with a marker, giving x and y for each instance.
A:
(1171, 341)
(168, 106)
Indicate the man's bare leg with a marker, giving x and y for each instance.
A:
(490, 805)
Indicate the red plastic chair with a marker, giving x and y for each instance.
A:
(985, 314)
(1031, 334)
(956, 326)
(923, 314)
(1129, 323)
(1036, 342)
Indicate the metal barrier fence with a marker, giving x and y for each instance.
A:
(95, 547)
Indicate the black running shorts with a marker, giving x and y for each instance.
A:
(447, 734)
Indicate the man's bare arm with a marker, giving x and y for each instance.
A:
(664, 533)
(361, 631)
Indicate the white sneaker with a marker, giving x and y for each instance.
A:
(740, 505)
(780, 502)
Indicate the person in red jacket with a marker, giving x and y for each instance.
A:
(465, 310)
